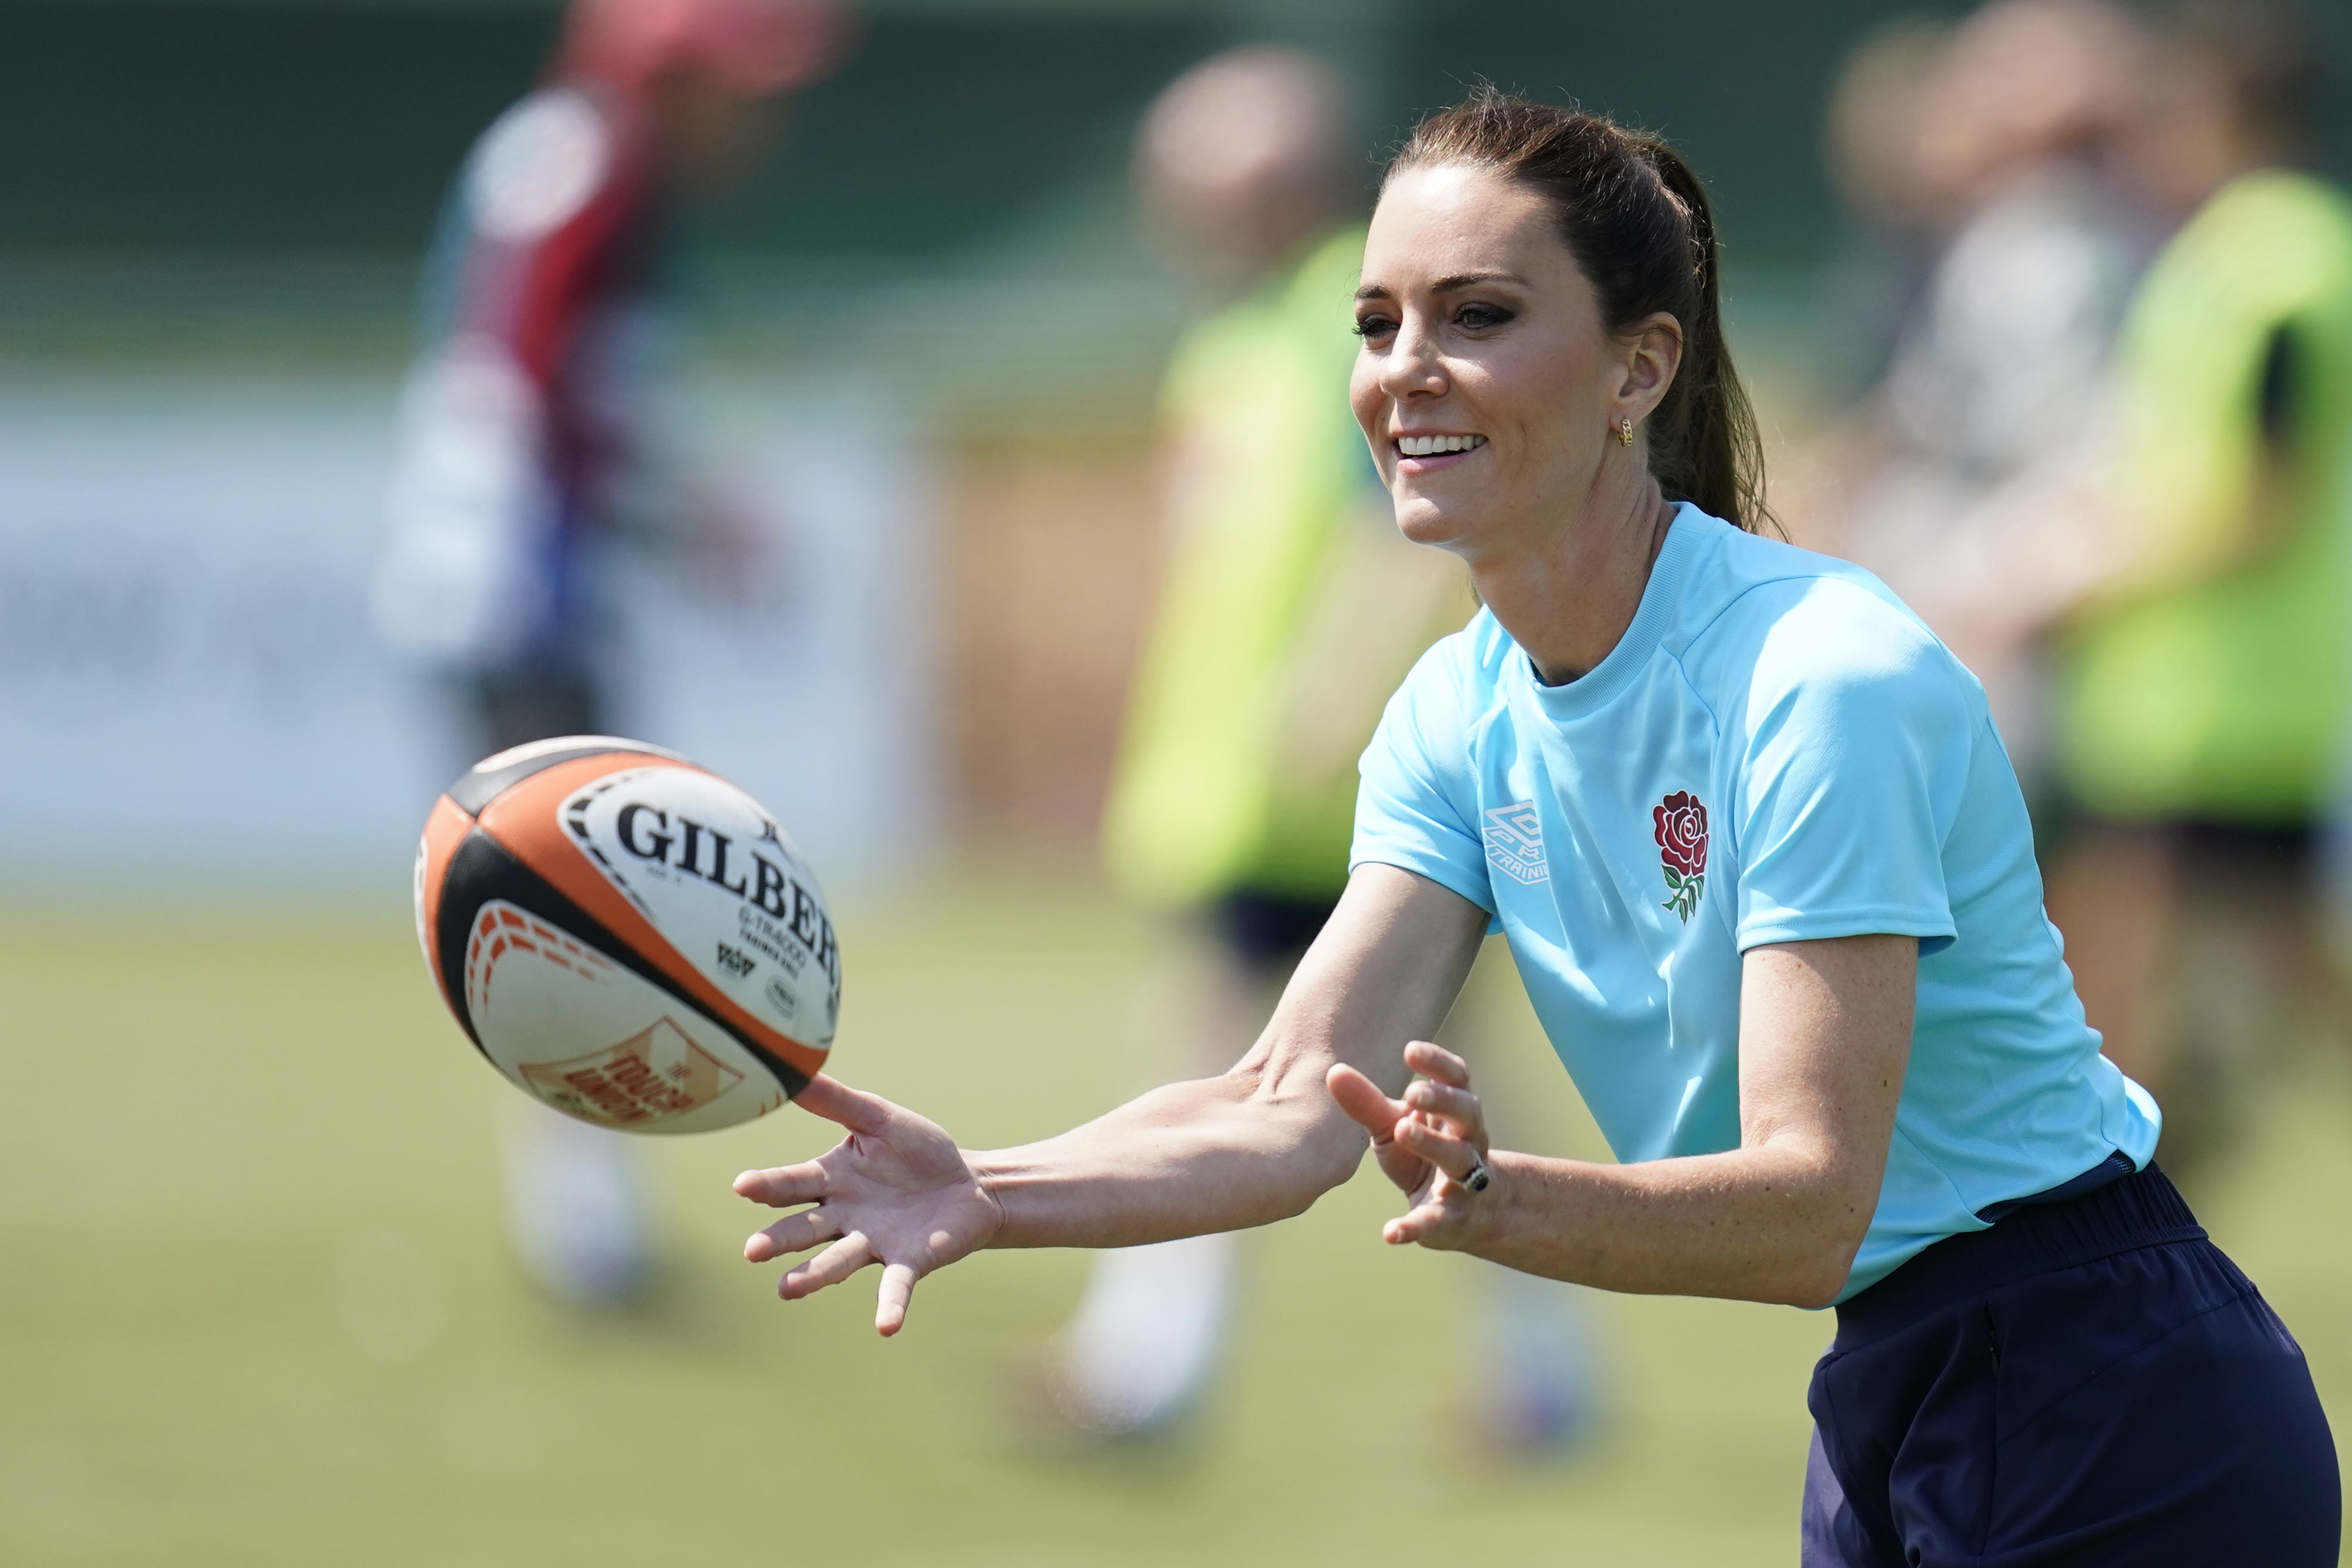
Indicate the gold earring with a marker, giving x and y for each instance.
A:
(1624, 431)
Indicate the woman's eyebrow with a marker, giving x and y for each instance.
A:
(1448, 285)
(1461, 280)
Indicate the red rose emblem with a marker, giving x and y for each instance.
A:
(1682, 849)
(1682, 833)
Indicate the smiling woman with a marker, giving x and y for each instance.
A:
(1636, 226)
(1768, 880)
(1607, 252)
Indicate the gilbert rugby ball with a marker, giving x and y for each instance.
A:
(627, 937)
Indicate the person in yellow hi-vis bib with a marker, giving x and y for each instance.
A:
(1290, 610)
(2204, 692)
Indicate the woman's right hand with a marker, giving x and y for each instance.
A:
(896, 1191)
(1430, 1143)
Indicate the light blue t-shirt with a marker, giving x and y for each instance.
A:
(1777, 751)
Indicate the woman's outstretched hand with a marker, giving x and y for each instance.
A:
(1428, 1143)
(896, 1191)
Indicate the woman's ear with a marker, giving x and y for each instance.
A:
(1653, 352)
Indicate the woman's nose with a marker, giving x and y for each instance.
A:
(1411, 366)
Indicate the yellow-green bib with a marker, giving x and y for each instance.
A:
(1267, 461)
(2217, 686)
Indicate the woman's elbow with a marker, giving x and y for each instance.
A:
(1818, 1264)
(1810, 1288)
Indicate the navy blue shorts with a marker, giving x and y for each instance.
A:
(1271, 932)
(2087, 1383)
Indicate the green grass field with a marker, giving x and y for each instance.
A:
(255, 1306)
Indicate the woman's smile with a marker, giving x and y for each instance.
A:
(1426, 452)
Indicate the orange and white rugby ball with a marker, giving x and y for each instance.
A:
(626, 936)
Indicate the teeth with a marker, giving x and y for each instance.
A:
(1431, 445)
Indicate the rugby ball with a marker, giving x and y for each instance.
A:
(625, 936)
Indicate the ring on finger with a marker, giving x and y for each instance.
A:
(1478, 1177)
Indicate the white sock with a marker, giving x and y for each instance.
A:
(1149, 1333)
(574, 1209)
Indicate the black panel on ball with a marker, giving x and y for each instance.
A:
(453, 919)
(471, 793)
(483, 870)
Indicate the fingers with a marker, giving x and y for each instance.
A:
(795, 1233)
(890, 1301)
(1443, 1089)
(1363, 1102)
(1455, 1156)
(1430, 1225)
(786, 1186)
(1437, 1062)
(831, 1266)
(1408, 1172)
(852, 1108)
(1440, 1103)
(1445, 1126)
(1378, 1115)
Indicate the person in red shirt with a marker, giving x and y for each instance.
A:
(527, 446)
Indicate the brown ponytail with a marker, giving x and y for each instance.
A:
(1636, 218)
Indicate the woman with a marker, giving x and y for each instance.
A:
(1767, 876)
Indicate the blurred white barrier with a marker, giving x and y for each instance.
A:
(190, 690)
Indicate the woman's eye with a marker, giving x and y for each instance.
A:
(1374, 327)
(1477, 317)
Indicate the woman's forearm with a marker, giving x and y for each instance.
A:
(1257, 1144)
(1767, 1224)
(1826, 1037)
(1262, 1142)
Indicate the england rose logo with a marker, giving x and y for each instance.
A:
(1682, 851)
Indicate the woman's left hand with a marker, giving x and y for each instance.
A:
(1429, 1143)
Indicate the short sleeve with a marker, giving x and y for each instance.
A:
(1416, 799)
(1858, 736)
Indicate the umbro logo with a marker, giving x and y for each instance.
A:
(1515, 842)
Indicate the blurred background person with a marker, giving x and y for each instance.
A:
(1999, 377)
(1897, 219)
(1290, 610)
(2204, 688)
(530, 447)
